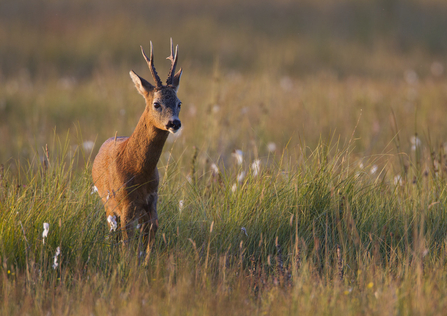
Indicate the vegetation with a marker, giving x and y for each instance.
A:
(309, 177)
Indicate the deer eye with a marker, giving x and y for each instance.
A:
(157, 105)
(180, 105)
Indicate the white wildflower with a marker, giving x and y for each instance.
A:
(55, 263)
(286, 83)
(241, 176)
(374, 169)
(361, 165)
(415, 142)
(112, 222)
(94, 189)
(88, 145)
(180, 206)
(436, 69)
(216, 108)
(256, 167)
(189, 179)
(239, 155)
(234, 188)
(411, 77)
(398, 180)
(271, 147)
(46, 230)
(244, 231)
(214, 169)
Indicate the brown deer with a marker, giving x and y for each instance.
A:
(125, 170)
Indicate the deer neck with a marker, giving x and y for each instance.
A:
(143, 148)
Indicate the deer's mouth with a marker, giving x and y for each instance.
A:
(173, 130)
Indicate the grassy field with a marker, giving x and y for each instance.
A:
(338, 205)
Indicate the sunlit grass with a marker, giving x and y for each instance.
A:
(324, 235)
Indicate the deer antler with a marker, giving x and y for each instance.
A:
(150, 63)
(173, 59)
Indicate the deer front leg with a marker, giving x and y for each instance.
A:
(150, 224)
(128, 221)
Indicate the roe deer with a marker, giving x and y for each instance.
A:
(125, 170)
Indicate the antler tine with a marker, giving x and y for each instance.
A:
(150, 63)
(173, 59)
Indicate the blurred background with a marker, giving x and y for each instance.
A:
(259, 76)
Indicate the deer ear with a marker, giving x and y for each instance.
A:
(176, 79)
(141, 84)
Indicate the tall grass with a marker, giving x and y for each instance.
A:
(324, 235)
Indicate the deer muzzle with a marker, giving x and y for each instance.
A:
(173, 126)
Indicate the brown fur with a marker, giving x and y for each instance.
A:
(125, 169)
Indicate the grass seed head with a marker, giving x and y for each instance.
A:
(239, 156)
(55, 263)
(256, 167)
(46, 230)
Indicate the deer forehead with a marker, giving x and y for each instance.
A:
(166, 96)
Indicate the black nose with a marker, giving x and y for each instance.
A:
(175, 124)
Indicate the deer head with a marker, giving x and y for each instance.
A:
(162, 103)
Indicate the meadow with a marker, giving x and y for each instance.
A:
(309, 176)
